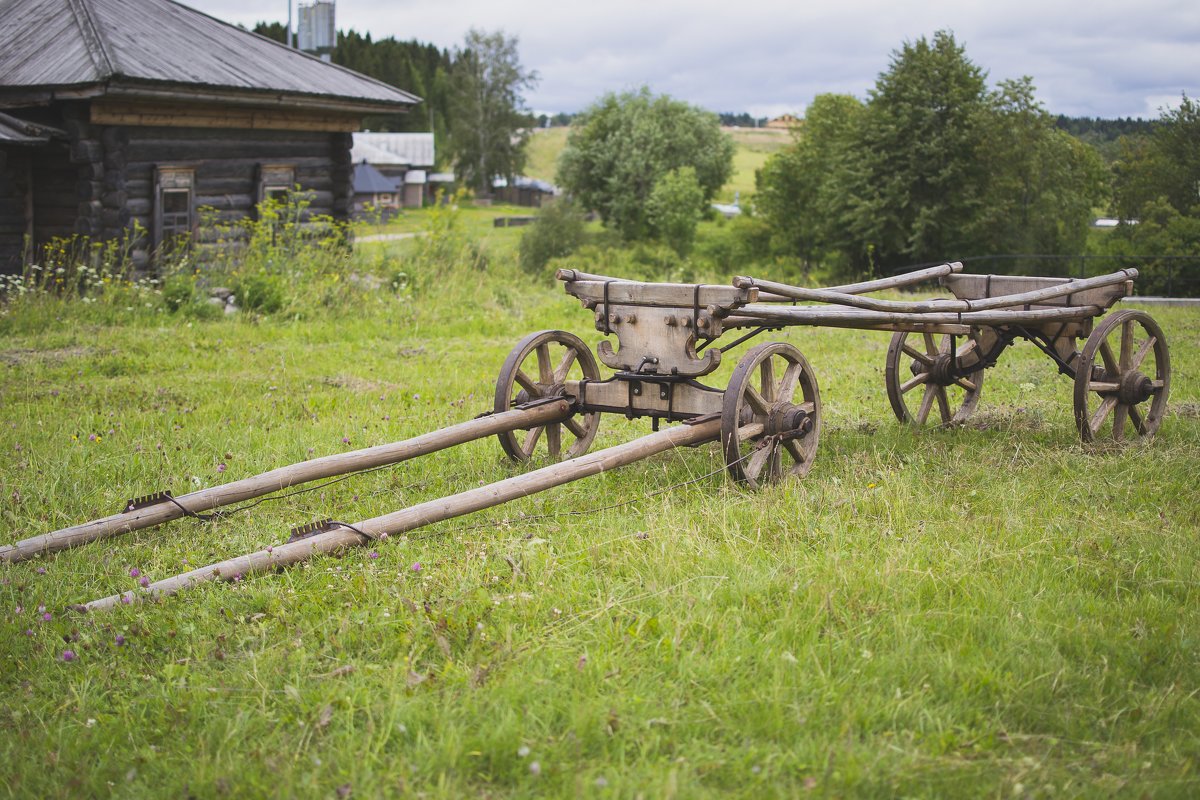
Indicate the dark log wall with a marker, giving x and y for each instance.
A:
(227, 164)
(14, 164)
(100, 183)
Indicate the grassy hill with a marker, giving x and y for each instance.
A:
(753, 147)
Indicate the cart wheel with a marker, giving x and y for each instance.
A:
(930, 365)
(539, 366)
(772, 406)
(1123, 381)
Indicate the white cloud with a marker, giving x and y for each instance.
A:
(1097, 58)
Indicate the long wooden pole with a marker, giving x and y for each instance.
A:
(937, 305)
(833, 317)
(429, 512)
(282, 478)
(894, 282)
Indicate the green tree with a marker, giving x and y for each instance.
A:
(675, 206)
(934, 166)
(918, 183)
(801, 190)
(1165, 164)
(623, 144)
(488, 123)
(1042, 185)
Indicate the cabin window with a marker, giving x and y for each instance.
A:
(275, 181)
(174, 204)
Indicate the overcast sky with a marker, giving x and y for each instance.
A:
(1094, 58)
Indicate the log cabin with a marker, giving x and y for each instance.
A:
(124, 115)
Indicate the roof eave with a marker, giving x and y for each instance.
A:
(259, 98)
(18, 97)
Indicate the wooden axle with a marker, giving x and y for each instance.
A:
(282, 478)
(432, 511)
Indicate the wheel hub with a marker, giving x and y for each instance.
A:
(1135, 388)
(788, 421)
(942, 370)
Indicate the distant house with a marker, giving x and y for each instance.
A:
(522, 191)
(376, 193)
(405, 157)
(116, 114)
(784, 122)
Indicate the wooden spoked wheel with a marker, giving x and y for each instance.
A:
(770, 415)
(921, 374)
(1123, 374)
(539, 367)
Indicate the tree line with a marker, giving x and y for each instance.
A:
(935, 164)
(471, 96)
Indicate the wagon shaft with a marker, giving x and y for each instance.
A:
(430, 512)
(248, 488)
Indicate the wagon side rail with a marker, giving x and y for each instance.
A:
(1100, 292)
(941, 271)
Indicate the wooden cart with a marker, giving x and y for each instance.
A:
(550, 394)
(771, 410)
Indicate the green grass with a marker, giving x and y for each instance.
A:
(990, 611)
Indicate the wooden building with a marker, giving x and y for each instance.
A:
(116, 113)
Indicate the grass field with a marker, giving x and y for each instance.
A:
(995, 610)
(753, 147)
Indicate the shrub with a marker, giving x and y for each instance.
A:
(260, 291)
(674, 208)
(557, 232)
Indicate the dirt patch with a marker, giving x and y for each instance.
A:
(15, 358)
(356, 384)
(1185, 410)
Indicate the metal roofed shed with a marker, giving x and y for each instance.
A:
(395, 149)
(164, 110)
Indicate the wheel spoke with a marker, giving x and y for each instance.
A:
(1103, 386)
(796, 451)
(926, 403)
(787, 384)
(1139, 424)
(1119, 419)
(767, 376)
(913, 382)
(966, 383)
(574, 427)
(1126, 344)
(560, 372)
(931, 349)
(916, 354)
(1106, 407)
(944, 405)
(1140, 356)
(527, 384)
(754, 466)
(531, 440)
(554, 439)
(545, 373)
(1110, 361)
(759, 403)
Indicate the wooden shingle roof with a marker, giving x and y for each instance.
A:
(150, 47)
